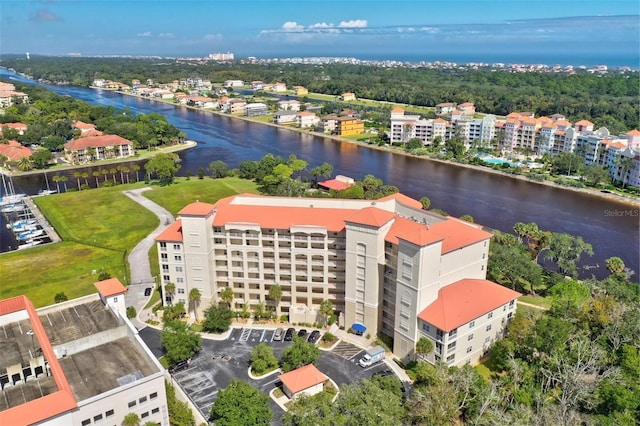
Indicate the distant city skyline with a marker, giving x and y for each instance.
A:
(580, 31)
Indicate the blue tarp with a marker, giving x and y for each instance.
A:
(360, 328)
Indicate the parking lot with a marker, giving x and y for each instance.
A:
(220, 361)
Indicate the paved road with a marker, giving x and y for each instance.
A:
(140, 268)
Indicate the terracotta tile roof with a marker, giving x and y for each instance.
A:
(303, 378)
(197, 209)
(305, 114)
(634, 132)
(465, 104)
(403, 199)
(50, 405)
(96, 141)
(445, 104)
(90, 133)
(172, 233)
(465, 300)
(584, 123)
(16, 126)
(110, 287)
(397, 109)
(371, 216)
(14, 151)
(335, 184)
(81, 125)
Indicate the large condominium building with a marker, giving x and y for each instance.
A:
(386, 264)
(79, 362)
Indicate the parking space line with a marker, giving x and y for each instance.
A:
(354, 356)
(263, 333)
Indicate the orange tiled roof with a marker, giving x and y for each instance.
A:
(634, 132)
(397, 109)
(81, 125)
(303, 378)
(371, 216)
(16, 126)
(91, 132)
(197, 209)
(335, 184)
(305, 114)
(110, 287)
(465, 300)
(584, 123)
(172, 233)
(14, 151)
(96, 141)
(403, 199)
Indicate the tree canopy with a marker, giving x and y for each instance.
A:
(241, 404)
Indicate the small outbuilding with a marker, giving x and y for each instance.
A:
(112, 293)
(307, 380)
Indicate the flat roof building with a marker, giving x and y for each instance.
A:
(80, 362)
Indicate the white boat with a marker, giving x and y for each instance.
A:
(47, 192)
(22, 222)
(23, 228)
(13, 208)
(30, 234)
(29, 243)
(11, 199)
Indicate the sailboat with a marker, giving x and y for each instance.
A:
(47, 191)
(10, 197)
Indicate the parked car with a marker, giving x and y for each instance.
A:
(288, 336)
(302, 333)
(277, 336)
(181, 365)
(147, 291)
(314, 336)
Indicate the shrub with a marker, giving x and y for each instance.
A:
(328, 337)
(60, 297)
(131, 312)
(263, 360)
(332, 319)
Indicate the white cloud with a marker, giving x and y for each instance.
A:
(354, 23)
(320, 25)
(292, 26)
(145, 34)
(166, 35)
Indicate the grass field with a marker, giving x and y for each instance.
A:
(543, 302)
(99, 228)
(207, 190)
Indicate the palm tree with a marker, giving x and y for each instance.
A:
(25, 164)
(119, 168)
(56, 179)
(624, 164)
(126, 171)
(113, 173)
(136, 168)
(227, 295)
(275, 294)
(77, 175)
(131, 419)
(104, 172)
(64, 180)
(424, 346)
(95, 174)
(194, 300)
(85, 175)
(326, 310)
(169, 289)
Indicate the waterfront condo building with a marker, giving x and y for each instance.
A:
(386, 264)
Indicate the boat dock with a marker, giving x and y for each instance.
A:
(28, 225)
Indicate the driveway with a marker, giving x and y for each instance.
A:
(220, 361)
(140, 269)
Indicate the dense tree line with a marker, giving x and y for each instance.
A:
(607, 100)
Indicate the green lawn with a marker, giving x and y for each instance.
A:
(543, 302)
(183, 192)
(99, 227)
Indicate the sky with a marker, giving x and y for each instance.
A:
(393, 29)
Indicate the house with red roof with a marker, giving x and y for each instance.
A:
(14, 151)
(94, 148)
(307, 380)
(386, 264)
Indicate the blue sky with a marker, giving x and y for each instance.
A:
(435, 29)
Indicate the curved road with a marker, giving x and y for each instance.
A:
(139, 266)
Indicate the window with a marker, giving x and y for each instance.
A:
(86, 422)
(164, 256)
(166, 278)
(451, 358)
(179, 280)
(453, 333)
(511, 304)
(489, 327)
(484, 255)
(177, 258)
(153, 395)
(217, 240)
(165, 268)
(469, 349)
(178, 268)
(470, 337)
(155, 410)
(176, 246)
(132, 404)
(97, 418)
(144, 415)
(181, 291)
(451, 346)
(490, 315)
(487, 339)
(472, 324)
(510, 315)
(143, 399)
(163, 245)
(425, 327)
(115, 300)
(108, 413)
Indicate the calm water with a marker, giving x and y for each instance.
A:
(494, 201)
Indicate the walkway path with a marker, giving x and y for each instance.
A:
(140, 268)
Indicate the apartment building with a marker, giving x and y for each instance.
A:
(381, 263)
(79, 362)
(347, 126)
(93, 148)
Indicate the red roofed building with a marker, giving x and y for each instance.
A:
(94, 148)
(14, 151)
(380, 263)
(307, 380)
(340, 183)
(112, 293)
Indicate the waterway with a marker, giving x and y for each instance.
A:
(493, 200)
